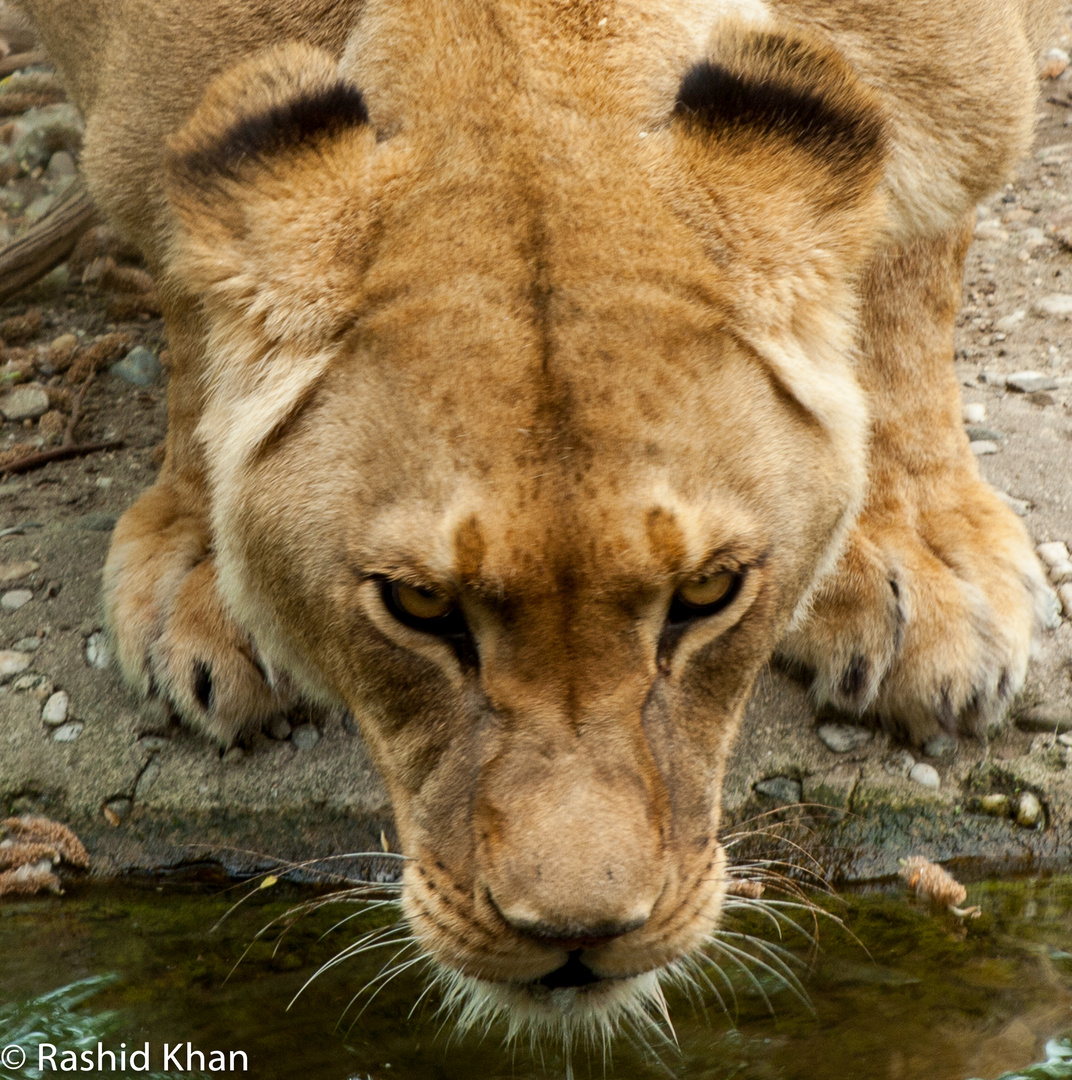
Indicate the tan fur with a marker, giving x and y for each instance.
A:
(539, 340)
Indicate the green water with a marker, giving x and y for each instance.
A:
(906, 995)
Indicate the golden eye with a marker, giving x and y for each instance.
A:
(421, 604)
(708, 590)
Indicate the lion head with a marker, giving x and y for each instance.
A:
(532, 424)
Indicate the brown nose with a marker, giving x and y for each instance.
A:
(571, 851)
(573, 937)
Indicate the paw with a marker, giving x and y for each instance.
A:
(174, 639)
(929, 619)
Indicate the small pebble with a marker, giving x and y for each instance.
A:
(15, 599)
(139, 367)
(16, 571)
(1011, 321)
(976, 432)
(98, 655)
(37, 686)
(69, 732)
(941, 746)
(61, 351)
(782, 789)
(13, 663)
(27, 644)
(979, 447)
(1065, 739)
(234, 756)
(899, 763)
(1045, 718)
(924, 774)
(147, 778)
(279, 727)
(25, 403)
(841, 738)
(1028, 811)
(1054, 304)
(996, 805)
(1052, 553)
(973, 413)
(55, 709)
(153, 744)
(117, 811)
(1029, 382)
(305, 736)
(987, 230)
(96, 522)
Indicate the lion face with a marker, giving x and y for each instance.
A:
(521, 451)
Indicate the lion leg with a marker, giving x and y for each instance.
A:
(173, 636)
(928, 620)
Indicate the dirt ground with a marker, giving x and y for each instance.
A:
(141, 791)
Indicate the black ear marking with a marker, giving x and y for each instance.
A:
(311, 115)
(780, 87)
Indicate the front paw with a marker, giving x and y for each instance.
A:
(928, 621)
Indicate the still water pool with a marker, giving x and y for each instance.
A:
(898, 994)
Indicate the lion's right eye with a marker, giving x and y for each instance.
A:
(428, 610)
(705, 595)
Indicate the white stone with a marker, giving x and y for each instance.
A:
(68, 732)
(13, 663)
(1064, 592)
(16, 598)
(16, 571)
(1029, 811)
(979, 447)
(1029, 382)
(305, 736)
(925, 774)
(1053, 552)
(1011, 321)
(843, 738)
(25, 403)
(988, 230)
(1053, 304)
(973, 413)
(55, 709)
(37, 686)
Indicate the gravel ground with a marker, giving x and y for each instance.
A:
(145, 795)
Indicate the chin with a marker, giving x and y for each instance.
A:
(552, 1009)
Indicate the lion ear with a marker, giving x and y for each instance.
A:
(779, 116)
(267, 186)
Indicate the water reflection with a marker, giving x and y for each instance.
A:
(900, 994)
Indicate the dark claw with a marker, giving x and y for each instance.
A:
(947, 715)
(855, 678)
(203, 688)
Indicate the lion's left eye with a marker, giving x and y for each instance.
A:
(429, 610)
(705, 595)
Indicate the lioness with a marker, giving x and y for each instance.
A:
(540, 368)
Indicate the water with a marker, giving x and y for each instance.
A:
(906, 995)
